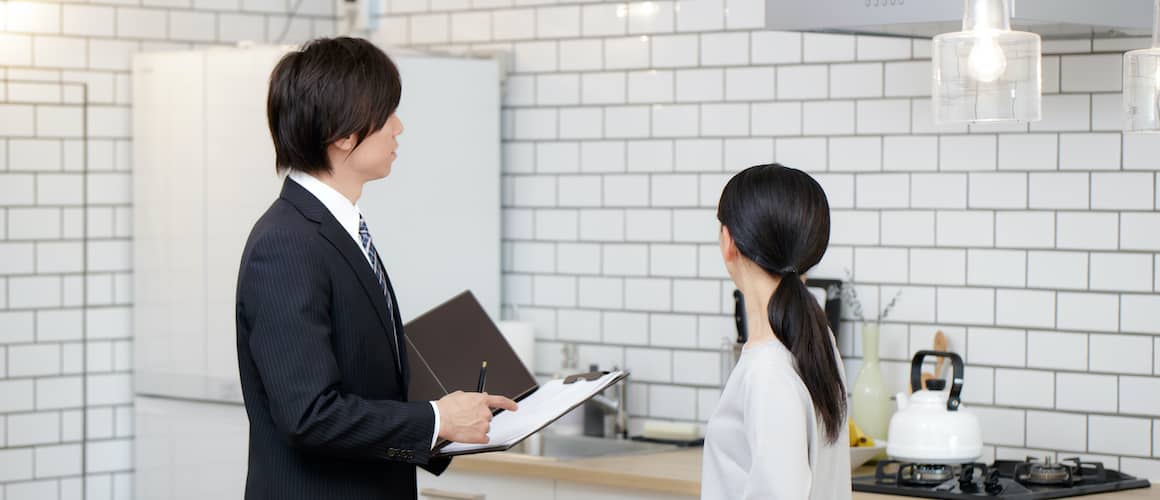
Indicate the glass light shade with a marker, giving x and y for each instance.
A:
(986, 72)
(1142, 85)
(986, 75)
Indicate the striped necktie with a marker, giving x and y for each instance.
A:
(377, 265)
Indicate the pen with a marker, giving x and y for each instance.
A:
(482, 377)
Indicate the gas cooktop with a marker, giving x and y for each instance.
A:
(1031, 479)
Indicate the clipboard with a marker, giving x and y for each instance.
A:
(543, 406)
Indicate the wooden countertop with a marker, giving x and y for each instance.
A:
(673, 472)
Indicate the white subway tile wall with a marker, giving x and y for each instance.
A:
(1028, 245)
(42, 225)
(1033, 246)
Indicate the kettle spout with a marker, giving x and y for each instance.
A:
(900, 400)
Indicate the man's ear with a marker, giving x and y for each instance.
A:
(346, 144)
(728, 247)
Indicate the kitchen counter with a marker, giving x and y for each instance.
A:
(673, 472)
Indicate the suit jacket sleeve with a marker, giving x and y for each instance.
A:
(286, 297)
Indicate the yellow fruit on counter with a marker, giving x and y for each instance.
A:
(857, 437)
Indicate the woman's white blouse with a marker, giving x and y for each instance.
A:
(764, 441)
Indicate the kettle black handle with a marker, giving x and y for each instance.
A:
(953, 401)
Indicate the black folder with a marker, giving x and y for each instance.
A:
(447, 345)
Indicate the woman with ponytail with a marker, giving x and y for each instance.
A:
(779, 431)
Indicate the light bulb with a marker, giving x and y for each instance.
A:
(647, 9)
(986, 60)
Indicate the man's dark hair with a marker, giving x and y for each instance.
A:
(328, 90)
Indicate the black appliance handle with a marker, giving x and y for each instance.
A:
(739, 317)
(832, 307)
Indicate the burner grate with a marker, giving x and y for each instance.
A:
(1030, 479)
(1065, 473)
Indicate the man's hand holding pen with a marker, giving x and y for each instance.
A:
(465, 417)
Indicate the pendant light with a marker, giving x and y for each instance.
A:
(1142, 84)
(986, 72)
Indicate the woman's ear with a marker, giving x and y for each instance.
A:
(728, 248)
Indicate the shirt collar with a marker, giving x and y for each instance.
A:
(346, 213)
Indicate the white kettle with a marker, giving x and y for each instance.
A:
(931, 426)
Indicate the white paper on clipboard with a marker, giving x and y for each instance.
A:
(551, 401)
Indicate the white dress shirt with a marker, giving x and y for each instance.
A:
(764, 441)
(347, 214)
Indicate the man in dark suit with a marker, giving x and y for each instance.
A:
(320, 340)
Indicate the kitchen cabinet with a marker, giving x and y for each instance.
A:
(202, 175)
(578, 491)
(189, 451)
(488, 485)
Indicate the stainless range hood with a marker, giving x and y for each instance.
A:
(926, 18)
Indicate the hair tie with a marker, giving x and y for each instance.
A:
(788, 271)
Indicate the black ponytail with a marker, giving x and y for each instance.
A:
(779, 218)
(801, 325)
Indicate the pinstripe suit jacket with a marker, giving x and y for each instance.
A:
(328, 409)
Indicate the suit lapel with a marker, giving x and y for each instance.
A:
(333, 232)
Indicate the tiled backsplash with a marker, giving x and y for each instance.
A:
(1032, 246)
(48, 406)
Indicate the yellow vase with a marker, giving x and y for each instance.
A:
(870, 405)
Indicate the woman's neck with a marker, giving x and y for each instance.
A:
(758, 290)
